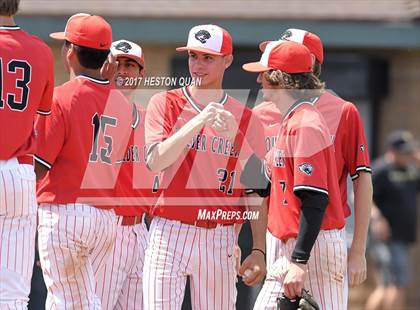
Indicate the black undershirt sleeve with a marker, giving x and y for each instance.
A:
(254, 179)
(311, 215)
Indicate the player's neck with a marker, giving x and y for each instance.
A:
(7, 21)
(96, 74)
(204, 96)
(284, 103)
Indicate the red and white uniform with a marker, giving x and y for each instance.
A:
(26, 86)
(350, 147)
(88, 130)
(120, 284)
(205, 177)
(303, 159)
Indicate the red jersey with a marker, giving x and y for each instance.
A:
(270, 118)
(87, 132)
(27, 83)
(302, 159)
(206, 176)
(346, 129)
(350, 146)
(137, 187)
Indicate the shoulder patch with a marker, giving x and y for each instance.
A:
(306, 168)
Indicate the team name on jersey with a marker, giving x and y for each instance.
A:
(217, 145)
(278, 158)
(270, 141)
(132, 154)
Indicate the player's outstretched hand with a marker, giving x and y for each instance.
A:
(253, 268)
(109, 68)
(294, 280)
(356, 267)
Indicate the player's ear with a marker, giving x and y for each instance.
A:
(313, 59)
(142, 72)
(71, 51)
(228, 60)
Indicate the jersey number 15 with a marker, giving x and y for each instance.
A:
(99, 126)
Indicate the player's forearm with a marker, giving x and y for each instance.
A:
(258, 226)
(169, 151)
(312, 213)
(362, 210)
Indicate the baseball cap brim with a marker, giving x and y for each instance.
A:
(263, 45)
(198, 49)
(255, 67)
(58, 35)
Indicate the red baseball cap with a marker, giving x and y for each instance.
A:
(86, 30)
(309, 39)
(287, 56)
(210, 39)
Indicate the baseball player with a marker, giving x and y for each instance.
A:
(27, 82)
(351, 152)
(305, 211)
(87, 132)
(194, 136)
(119, 285)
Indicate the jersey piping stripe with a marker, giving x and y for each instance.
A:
(360, 168)
(195, 105)
(294, 107)
(42, 162)
(10, 27)
(310, 188)
(136, 117)
(364, 168)
(92, 79)
(43, 112)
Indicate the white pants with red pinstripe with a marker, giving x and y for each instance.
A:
(75, 241)
(327, 268)
(17, 233)
(178, 250)
(120, 284)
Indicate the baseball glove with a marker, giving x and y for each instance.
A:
(305, 302)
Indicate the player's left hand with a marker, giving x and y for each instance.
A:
(294, 280)
(109, 68)
(255, 263)
(356, 267)
(225, 124)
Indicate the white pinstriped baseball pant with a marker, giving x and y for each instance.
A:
(178, 250)
(17, 233)
(120, 284)
(327, 268)
(75, 241)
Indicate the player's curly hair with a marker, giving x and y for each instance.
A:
(9, 7)
(306, 84)
(317, 68)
